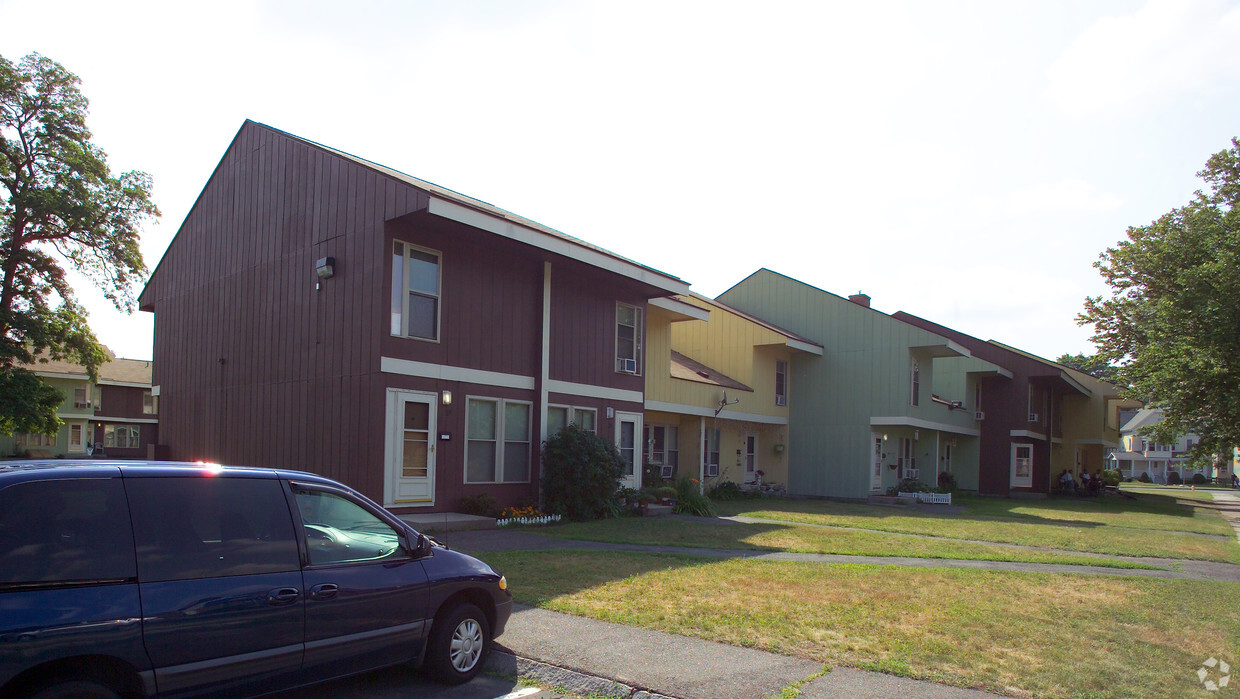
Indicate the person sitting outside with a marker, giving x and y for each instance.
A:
(1066, 482)
(1095, 483)
(1084, 481)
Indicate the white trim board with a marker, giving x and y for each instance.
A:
(682, 409)
(685, 309)
(1027, 434)
(591, 391)
(405, 367)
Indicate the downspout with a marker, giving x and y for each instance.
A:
(544, 371)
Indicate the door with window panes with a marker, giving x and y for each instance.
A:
(409, 456)
(628, 434)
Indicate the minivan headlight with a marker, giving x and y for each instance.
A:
(503, 583)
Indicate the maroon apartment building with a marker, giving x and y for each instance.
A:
(320, 312)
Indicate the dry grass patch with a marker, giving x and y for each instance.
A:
(1049, 635)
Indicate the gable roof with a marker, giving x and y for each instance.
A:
(794, 341)
(113, 371)
(453, 205)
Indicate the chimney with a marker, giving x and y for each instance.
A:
(860, 299)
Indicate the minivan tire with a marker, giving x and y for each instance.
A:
(459, 644)
(76, 689)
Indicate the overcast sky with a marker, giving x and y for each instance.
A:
(966, 162)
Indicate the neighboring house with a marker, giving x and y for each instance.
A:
(317, 311)
(880, 404)
(118, 415)
(1037, 418)
(718, 392)
(1140, 454)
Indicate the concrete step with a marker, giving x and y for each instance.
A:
(447, 522)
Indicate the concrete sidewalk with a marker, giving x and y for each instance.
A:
(606, 659)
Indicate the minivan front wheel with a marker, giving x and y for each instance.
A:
(460, 641)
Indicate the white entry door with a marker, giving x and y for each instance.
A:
(1022, 465)
(409, 457)
(628, 428)
(876, 462)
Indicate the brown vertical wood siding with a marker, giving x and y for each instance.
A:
(258, 367)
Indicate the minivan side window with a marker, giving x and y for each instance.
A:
(64, 532)
(339, 530)
(210, 526)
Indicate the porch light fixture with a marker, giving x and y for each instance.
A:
(446, 396)
(325, 267)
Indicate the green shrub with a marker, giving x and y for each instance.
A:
(1199, 479)
(691, 502)
(1173, 478)
(909, 485)
(652, 475)
(581, 474)
(728, 490)
(1111, 477)
(482, 505)
(1144, 478)
(665, 491)
(947, 482)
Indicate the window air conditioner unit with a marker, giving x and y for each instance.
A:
(1033, 417)
(712, 470)
(781, 400)
(80, 405)
(628, 366)
(666, 471)
(979, 415)
(912, 473)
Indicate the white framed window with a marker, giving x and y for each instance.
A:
(906, 459)
(77, 437)
(150, 403)
(497, 441)
(96, 396)
(781, 382)
(122, 436)
(560, 416)
(27, 439)
(710, 448)
(915, 383)
(751, 455)
(81, 398)
(628, 338)
(416, 282)
(663, 445)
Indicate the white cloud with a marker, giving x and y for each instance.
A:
(1168, 50)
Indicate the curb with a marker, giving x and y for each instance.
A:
(503, 663)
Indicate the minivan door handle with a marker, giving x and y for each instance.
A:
(283, 595)
(324, 591)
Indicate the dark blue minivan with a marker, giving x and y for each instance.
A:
(132, 579)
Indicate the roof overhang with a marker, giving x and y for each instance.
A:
(679, 310)
(946, 348)
(555, 242)
(803, 346)
(918, 423)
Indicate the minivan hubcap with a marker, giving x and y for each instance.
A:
(466, 645)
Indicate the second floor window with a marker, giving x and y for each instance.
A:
(628, 338)
(415, 292)
(915, 380)
(150, 403)
(781, 382)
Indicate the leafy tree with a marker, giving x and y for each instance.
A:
(581, 474)
(1095, 365)
(1172, 320)
(60, 208)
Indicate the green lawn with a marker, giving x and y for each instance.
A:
(1157, 524)
(1015, 633)
(721, 534)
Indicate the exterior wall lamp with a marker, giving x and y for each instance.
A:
(325, 267)
(446, 396)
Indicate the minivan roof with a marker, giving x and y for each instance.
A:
(11, 471)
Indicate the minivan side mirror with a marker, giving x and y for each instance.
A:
(422, 546)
